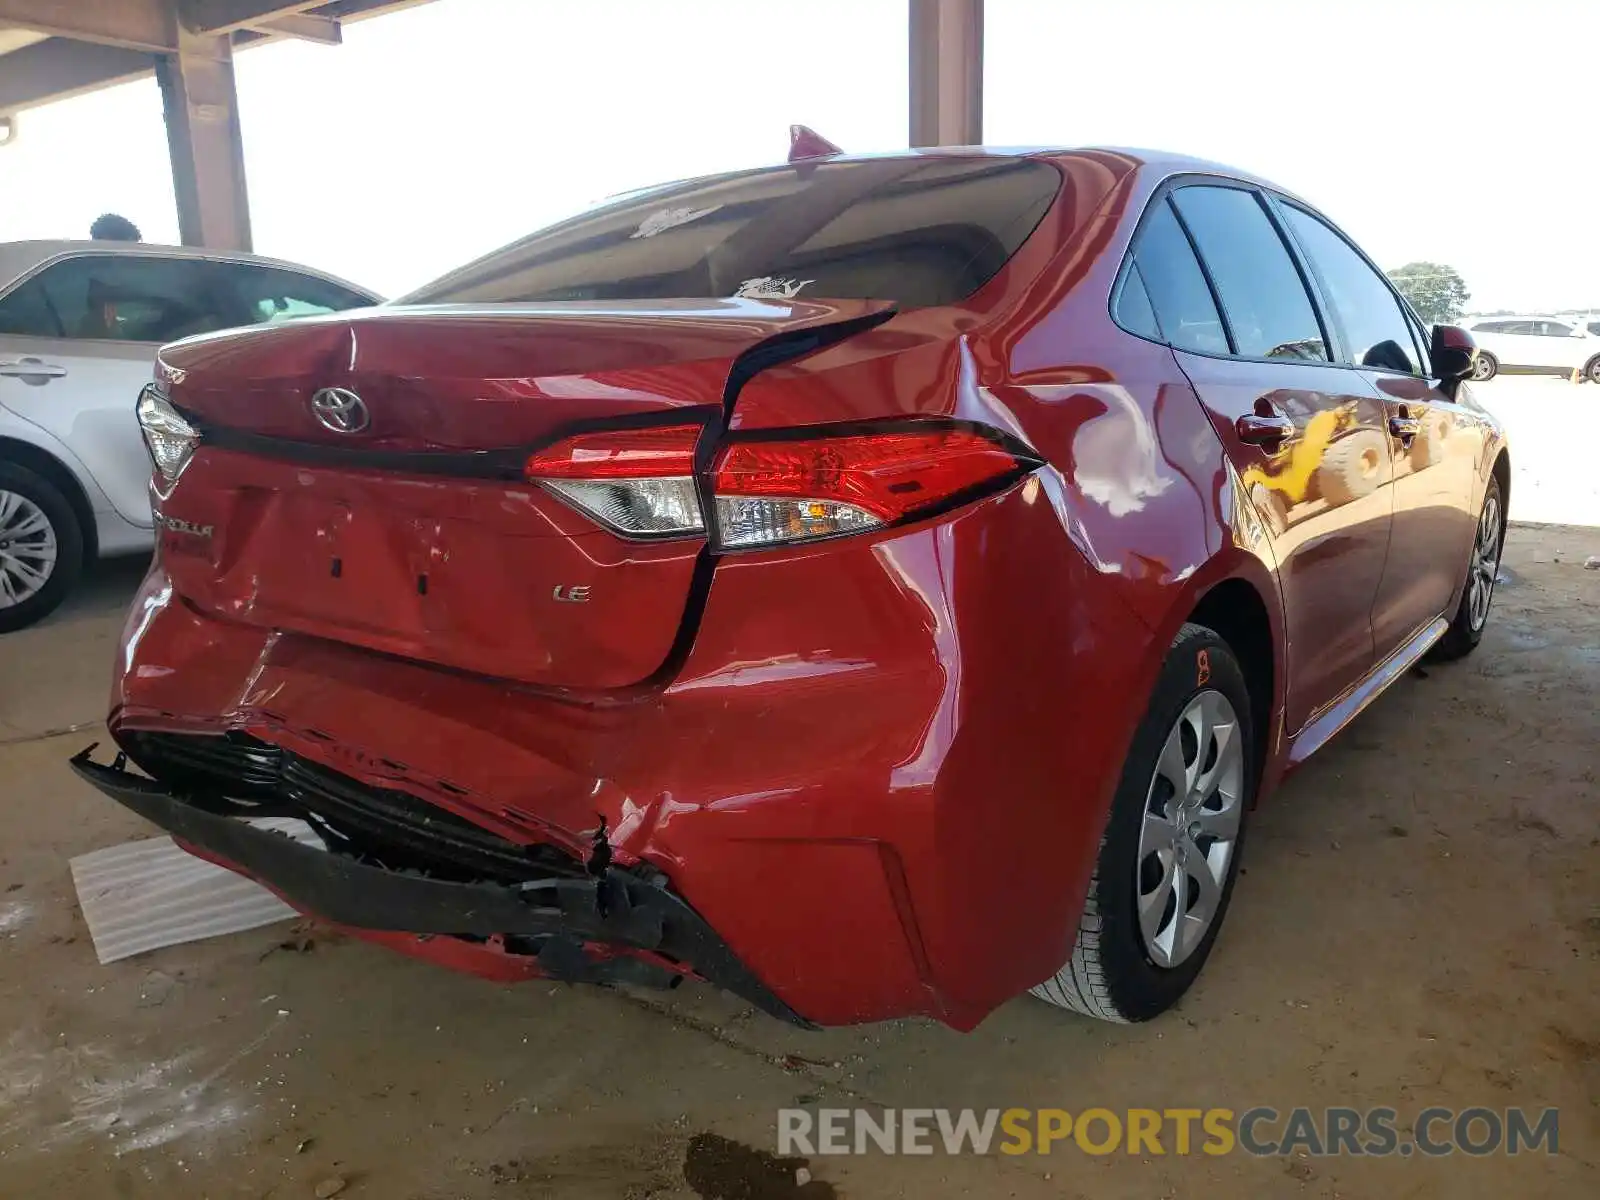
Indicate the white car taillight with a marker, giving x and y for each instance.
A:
(169, 438)
(639, 482)
(773, 490)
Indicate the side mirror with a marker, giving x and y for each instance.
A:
(1453, 351)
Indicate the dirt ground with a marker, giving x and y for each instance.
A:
(1418, 924)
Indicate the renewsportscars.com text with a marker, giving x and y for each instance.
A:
(1260, 1131)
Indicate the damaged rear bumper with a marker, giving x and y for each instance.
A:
(606, 927)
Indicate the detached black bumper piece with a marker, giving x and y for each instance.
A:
(556, 915)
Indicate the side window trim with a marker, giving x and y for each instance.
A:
(1338, 335)
(1162, 195)
(1333, 333)
(1130, 273)
(1394, 292)
(1422, 334)
(1205, 271)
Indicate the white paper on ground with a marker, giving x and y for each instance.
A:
(148, 894)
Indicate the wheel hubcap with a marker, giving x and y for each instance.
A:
(27, 549)
(1485, 564)
(1191, 827)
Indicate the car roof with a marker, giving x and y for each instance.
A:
(1160, 163)
(1167, 162)
(23, 258)
(1523, 317)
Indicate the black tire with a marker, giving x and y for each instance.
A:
(1485, 367)
(1463, 636)
(1591, 369)
(1111, 974)
(64, 573)
(1352, 467)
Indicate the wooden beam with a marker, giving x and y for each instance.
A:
(304, 27)
(202, 110)
(946, 72)
(224, 16)
(130, 24)
(57, 68)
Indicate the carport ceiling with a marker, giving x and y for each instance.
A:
(51, 49)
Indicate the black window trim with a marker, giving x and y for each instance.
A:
(1130, 271)
(1425, 358)
(1162, 195)
(1205, 273)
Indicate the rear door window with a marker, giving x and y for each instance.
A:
(258, 294)
(1176, 287)
(1268, 309)
(1376, 331)
(132, 298)
(26, 313)
(913, 231)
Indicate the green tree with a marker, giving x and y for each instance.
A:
(1436, 291)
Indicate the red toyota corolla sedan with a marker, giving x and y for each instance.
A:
(875, 585)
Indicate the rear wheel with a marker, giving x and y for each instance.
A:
(1483, 566)
(1591, 370)
(1484, 367)
(41, 547)
(1169, 855)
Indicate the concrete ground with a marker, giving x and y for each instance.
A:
(1418, 924)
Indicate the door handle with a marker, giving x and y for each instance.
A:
(1263, 429)
(1405, 426)
(31, 370)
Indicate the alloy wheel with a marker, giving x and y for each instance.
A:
(1192, 817)
(1485, 564)
(27, 549)
(1481, 369)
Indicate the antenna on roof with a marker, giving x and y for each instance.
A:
(807, 143)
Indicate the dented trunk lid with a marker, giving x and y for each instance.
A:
(416, 534)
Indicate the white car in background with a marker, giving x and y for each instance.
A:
(1539, 345)
(80, 323)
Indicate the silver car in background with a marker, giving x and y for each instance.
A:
(1536, 345)
(80, 323)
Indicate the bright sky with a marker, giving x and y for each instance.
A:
(1460, 131)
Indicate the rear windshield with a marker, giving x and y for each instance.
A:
(918, 232)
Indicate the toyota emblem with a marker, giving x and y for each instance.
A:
(340, 410)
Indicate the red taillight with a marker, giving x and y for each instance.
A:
(783, 491)
(641, 482)
(651, 453)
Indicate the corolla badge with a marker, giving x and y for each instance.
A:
(177, 525)
(340, 410)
